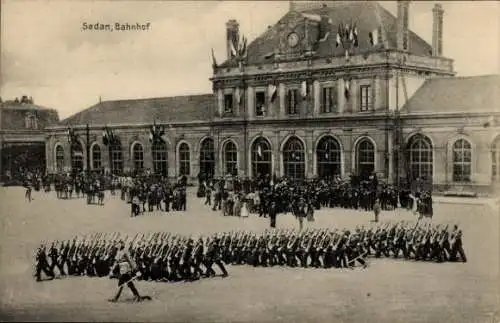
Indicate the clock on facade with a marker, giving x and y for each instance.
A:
(293, 39)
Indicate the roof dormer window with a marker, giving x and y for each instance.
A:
(30, 121)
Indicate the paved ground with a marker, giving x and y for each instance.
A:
(388, 291)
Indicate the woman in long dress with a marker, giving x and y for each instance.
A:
(244, 209)
(237, 205)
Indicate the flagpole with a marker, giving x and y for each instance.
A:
(88, 147)
(70, 140)
(245, 129)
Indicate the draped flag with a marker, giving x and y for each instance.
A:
(71, 135)
(233, 50)
(490, 122)
(105, 139)
(237, 94)
(214, 62)
(326, 150)
(272, 92)
(347, 89)
(152, 134)
(259, 151)
(353, 35)
(324, 37)
(108, 137)
(269, 55)
(303, 89)
(374, 37)
(242, 47)
(338, 41)
(156, 133)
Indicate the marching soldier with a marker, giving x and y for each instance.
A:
(456, 245)
(42, 264)
(127, 269)
(56, 260)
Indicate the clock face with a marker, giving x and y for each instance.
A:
(293, 39)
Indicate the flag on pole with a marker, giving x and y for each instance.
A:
(214, 61)
(237, 94)
(105, 139)
(233, 50)
(355, 36)
(338, 41)
(152, 133)
(347, 89)
(303, 89)
(259, 151)
(272, 92)
(374, 37)
(325, 37)
(490, 122)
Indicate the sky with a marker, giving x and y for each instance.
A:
(46, 54)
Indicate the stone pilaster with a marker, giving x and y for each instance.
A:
(276, 153)
(390, 157)
(251, 101)
(220, 102)
(354, 96)
(340, 95)
(376, 93)
(309, 151)
(316, 92)
(281, 98)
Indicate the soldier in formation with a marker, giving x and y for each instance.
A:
(171, 257)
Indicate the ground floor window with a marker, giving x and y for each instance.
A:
(261, 157)
(328, 157)
(462, 161)
(160, 159)
(294, 159)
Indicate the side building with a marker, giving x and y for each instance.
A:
(22, 137)
(333, 88)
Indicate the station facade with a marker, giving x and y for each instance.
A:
(333, 88)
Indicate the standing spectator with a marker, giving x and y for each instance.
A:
(376, 209)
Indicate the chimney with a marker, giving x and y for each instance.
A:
(232, 35)
(437, 30)
(403, 23)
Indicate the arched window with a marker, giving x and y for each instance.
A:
(462, 161)
(294, 159)
(116, 157)
(230, 158)
(328, 157)
(138, 157)
(365, 158)
(59, 159)
(207, 157)
(495, 160)
(261, 157)
(96, 157)
(160, 158)
(76, 157)
(420, 158)
(184, 159)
